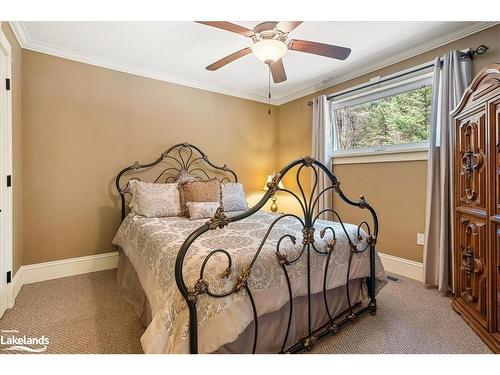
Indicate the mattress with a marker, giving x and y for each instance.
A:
(151, 246)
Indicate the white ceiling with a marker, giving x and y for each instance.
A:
(179, 51)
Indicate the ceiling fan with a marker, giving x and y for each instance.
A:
(271, 43)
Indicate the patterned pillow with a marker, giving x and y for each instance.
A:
(233, 197)
(154, 200)
(184, 176)
(202, 210)
(198, 191)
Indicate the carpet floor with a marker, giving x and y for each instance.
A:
(85, 314)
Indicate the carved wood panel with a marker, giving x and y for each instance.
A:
(471, 257)
(471, 160)
(495, 126)
(497, 277)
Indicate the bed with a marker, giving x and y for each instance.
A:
(246, 281)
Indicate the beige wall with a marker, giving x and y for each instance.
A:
(396, 190)
(82, 124)
(17, 258)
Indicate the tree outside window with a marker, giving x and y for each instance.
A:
(398, 119)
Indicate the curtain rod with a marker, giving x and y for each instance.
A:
(481, 50)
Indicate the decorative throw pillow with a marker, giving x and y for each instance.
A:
(184, 176)
(202, 210)
(198, 191)
(233, 197)
(154, 200)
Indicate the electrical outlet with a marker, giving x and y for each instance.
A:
(420, 238)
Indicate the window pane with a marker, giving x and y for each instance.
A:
(399, 119)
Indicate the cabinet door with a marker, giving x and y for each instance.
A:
(470, 159)
(495, 126)
(496, 298)
(494, 120)
(471, 259)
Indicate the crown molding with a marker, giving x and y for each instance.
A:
(405, 51)
(20, 32)
(26, 43)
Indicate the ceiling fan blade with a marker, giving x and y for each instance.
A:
(287, 26)
(228, 26)
(328, 50)
(229, 58)
(278, 71)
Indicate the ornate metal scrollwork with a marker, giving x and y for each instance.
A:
(219, 220)
(273, 185)
(178, 158)
(227, 273)
(200, 287)
(330, 245)
(310, 341)
(242, 280)
(282, 259)
(308, 161)
(289, 257)
(362, 202)
(308, 235)
(371, 240)
(336, 186)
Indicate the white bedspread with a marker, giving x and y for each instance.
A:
(152, 244)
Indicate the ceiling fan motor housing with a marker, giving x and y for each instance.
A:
(268, 30)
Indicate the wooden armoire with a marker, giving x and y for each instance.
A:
(477, 206)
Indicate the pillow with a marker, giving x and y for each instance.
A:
(198, 191)
(202, 210)
(233, 197)
(154, 200)
(184, 176)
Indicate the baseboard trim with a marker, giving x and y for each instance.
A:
(404, 267)
(34, 273)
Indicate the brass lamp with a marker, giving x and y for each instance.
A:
(274, 206)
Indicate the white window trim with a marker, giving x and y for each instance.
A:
(386, 153)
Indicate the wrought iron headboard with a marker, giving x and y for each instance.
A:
(182, 156)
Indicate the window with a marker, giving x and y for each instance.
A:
(390, 118)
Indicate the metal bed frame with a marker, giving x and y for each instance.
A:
(191, 159)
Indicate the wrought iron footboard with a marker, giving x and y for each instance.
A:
(308, 204)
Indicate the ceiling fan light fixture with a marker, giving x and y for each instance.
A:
(269, 50)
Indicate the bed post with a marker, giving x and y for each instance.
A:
(372, 241)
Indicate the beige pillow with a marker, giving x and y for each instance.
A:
(202, 210)
(233, 197)
(154, 200)
(198, 191)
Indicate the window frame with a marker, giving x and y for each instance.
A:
(382, 153)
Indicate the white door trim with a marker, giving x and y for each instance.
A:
(5, 169)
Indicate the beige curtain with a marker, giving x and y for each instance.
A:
(451, 78)
(322, 148)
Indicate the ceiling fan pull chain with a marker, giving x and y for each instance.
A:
(269, 90)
